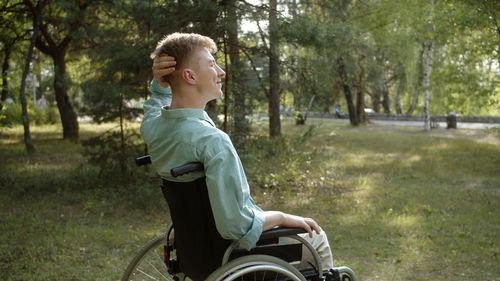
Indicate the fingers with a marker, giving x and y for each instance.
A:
(162, 72)
(159, 64)
(307, 224)
(163, 65)
(312, 226)
(163, 60)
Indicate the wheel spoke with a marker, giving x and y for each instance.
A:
(157, 270)
(152, 277)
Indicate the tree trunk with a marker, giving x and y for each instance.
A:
(401, 88)
(378, 93)
(274, 72)
(208, 19)
(295, 69)
(5, 73)
(26, 122)
(68, 116)
(57, 50)
(239, 110)
(427, 72)
(295, 61)
(360, 102)
(347, 92)
(420, 79)
(208, 28)
(386, 103)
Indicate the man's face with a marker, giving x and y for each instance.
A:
(209, 75)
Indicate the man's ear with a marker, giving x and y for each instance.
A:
(189, 76)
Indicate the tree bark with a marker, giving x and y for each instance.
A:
(386, 103)
(427, 74)
(69, 119)
(239, 111)
(378, 93)
(26, 123)
(295, 69)
(347, 92)
(295, 61)
(401, 88)
(208, 19)
(5, 73)
(360, 102)
(427, 71)
(398, 98)
(420, 79)
(274, 72)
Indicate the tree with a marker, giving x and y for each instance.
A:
(27, 136)
(61, 26)
(274, 71)
(13, 32)
(428, 69)
(120, 68)
(235, 73)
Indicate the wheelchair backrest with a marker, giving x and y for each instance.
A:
(199, 246)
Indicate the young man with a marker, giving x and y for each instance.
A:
(177, 130)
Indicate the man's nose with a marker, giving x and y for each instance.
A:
(221, 72)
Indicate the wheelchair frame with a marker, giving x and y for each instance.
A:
(156, 260)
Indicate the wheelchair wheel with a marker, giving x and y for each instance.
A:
(256, 267)
(148, 264)
(346, 274)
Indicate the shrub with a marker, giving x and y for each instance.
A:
(11, 114)
(114, 155)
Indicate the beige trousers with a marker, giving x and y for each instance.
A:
(318, 242)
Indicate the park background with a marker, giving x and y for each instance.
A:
(398, 203)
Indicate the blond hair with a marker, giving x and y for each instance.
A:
(181, 45)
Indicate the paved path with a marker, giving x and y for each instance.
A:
(460, 125)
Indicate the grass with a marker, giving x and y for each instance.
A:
(397, 203)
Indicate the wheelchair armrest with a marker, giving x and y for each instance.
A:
(272, 235)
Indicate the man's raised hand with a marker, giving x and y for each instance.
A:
(163, 65)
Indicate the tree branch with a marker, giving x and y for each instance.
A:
(243, 49)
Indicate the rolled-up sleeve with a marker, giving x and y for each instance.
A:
(152, 108)
(236, 215)
(159, 97)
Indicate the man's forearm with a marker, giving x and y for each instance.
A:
(273, 218)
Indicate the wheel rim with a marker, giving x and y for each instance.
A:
(148, 264)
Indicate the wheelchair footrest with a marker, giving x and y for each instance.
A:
(332, 275)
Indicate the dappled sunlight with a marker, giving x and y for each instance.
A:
(299, 200)
(394, 206)
(442, 145)
(405, 222)
(411, 160)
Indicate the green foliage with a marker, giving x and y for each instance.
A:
(299, 118)
(113, 152)
(286, 161)
(11, 114)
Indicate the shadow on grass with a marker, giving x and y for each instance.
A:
(422, 207)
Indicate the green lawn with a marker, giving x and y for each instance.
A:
(397, 203)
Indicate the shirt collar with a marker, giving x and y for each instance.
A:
(184, 113)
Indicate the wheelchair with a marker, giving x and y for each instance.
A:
(196, 251)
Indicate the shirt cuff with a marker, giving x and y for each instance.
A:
(155, 87)
(250, 239)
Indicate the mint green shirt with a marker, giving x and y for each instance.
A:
(179, 136)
